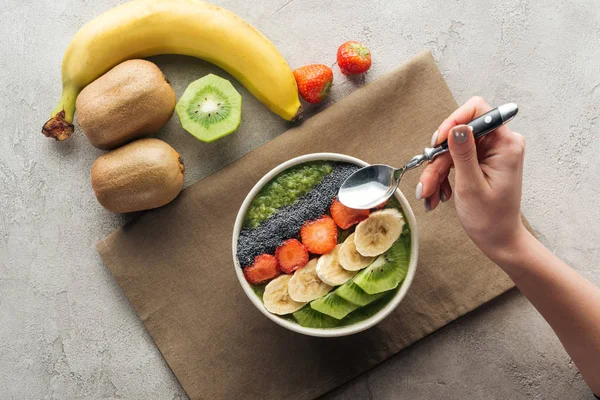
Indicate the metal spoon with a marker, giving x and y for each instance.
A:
(370, 186)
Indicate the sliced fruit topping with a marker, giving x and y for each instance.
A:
(314, 82)
(319, 236)
(388, 270)
(330, 271)
(351, 292)
(382, 205)
(291, 255)
(210, 108)
(277, 299)
(306, 285)
(349, 258)
(376, 234)
(309, 318)
(334, 306)
(263, 269)
(345, 217)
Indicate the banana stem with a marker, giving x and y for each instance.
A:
(60, 126)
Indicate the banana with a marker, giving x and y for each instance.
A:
(349, 258)
(330, 271)
(305, 284)
(376, 234)
(277, 299)
(143, 28)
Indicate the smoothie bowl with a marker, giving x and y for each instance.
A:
(311, 264)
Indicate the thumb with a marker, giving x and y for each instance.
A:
(464, 154)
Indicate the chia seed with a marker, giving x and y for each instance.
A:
(287, 221)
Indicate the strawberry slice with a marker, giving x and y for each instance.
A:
(319, 236)
(345, 217)
(263, 269)
(379, 207)
(291, 255)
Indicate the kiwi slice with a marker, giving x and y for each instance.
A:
(351, 292)
(368, 311)
(333, 305)
(388, 270)
(309, 318)
(210, 108)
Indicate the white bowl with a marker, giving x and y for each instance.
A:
(325, 332)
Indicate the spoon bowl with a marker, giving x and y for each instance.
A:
(368, 187)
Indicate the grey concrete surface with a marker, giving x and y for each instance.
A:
(68, 332)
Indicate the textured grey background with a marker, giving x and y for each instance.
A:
(67, 331)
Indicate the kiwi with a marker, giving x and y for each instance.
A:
(130, 101)
(144, 174)
(368, 311)
(210, 108)
(351, 292)
(333, 305)
(309, 318)
(388, 270)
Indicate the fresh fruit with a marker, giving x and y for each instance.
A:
(131, 100)
(345, 217)
(210, 108)
(349, 258)
(351, 292)
(376, 234)
(143, 28)
(353, 58)
(305, 284)
(330, 271)
(333, 305)
(291, 255)
(319, 236)
(314, 82)
(309, 318)
(382, 205)
(387, 271)
(264, 269)
(144, 174)
(276, 297)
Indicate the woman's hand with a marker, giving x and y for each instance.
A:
(488, 179)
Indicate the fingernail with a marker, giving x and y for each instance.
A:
(460, 133)
(443, 196)
(419, 191)
(434, 138)
(427, 205)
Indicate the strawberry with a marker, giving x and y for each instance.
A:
(291, 255)
(319, 236)
(263, 269)
(379, 207)
(353, 58)
(313, 82)
(345, 217)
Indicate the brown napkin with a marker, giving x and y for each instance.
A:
(175, 263)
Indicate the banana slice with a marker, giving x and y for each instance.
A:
(277, 299)
(330, 271)
(376, 234)
(349, 258)
(305, 284)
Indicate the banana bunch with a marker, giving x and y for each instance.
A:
(143, 28)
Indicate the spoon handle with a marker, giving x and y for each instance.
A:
(481, 126)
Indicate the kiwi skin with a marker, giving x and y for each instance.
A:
(141, 175)
(131, 100)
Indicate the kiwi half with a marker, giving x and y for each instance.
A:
(310, 318)
(333, 305)
(210, 108)
(388, 270)
(351, 292)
